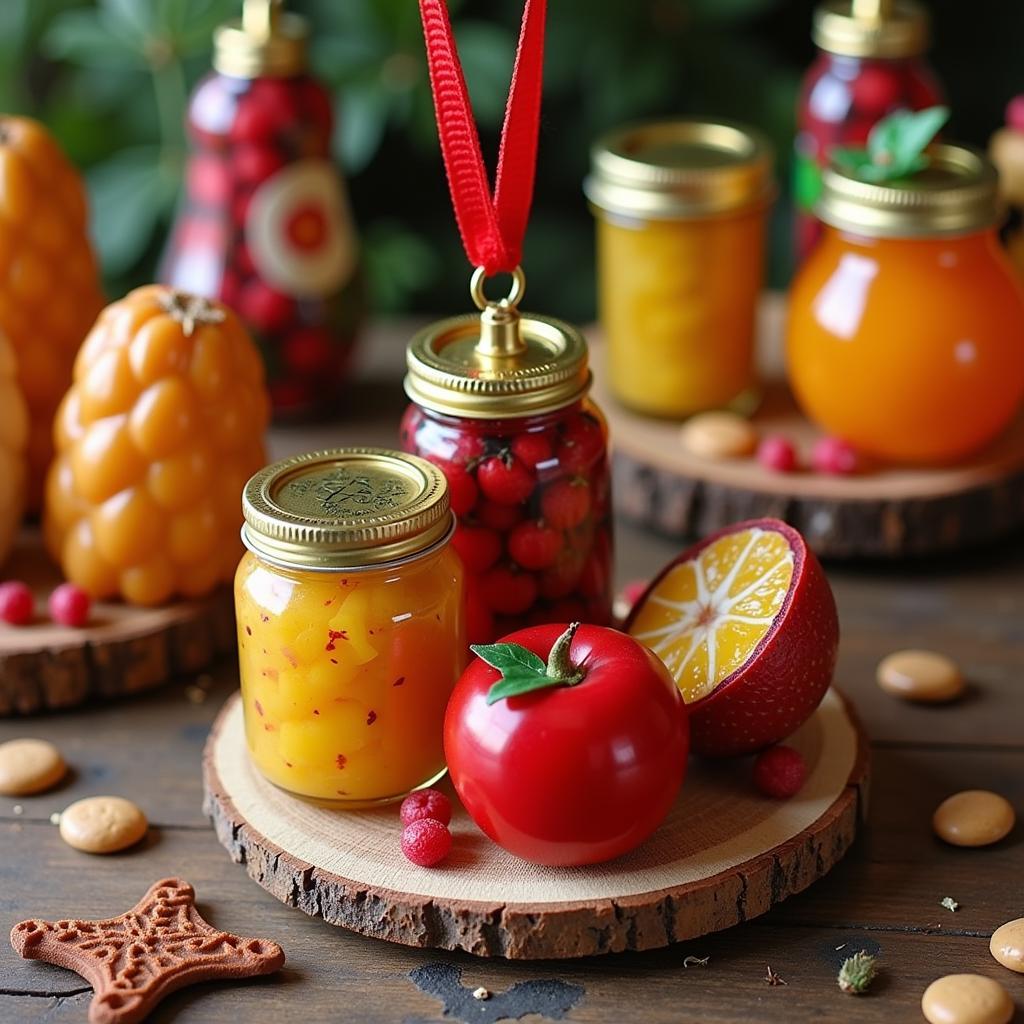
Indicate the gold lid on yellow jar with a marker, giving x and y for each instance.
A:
(499, 364)
(955, 194)
(871, 28)
(345, 508)
(666, 170)
(266, 41)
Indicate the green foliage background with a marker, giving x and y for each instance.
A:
(111, 78)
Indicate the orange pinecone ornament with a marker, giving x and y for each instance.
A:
(49, 287)
(161, 429)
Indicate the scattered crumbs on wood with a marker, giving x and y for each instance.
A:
(696, 961)
(18, 809)
(771, 978)
(481, 993)
(55, 818)
(949, 903)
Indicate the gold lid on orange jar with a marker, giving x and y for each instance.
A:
(345, 508)
(955, 194)
(871, 28)
(266, 41)
(499, 364)
(667, 170)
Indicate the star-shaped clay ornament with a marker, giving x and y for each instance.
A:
(134, 960)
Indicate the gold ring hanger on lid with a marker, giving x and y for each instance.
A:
(871, 28)
(267, 40)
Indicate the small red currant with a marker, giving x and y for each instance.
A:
(835, 456)
(505, 479)
(534, 545)
(70, 605)
(478, 547)
(777, 453)
(508, 592)
(780, 772)
(426, 842)
(426, 803)
(17, 605)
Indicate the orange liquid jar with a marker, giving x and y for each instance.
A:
(906, 324)
(350, 624)
(681, 209)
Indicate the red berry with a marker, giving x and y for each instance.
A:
(876, 90)
(835, 456)
(582, 444)
(565, 503)
(426, 842)
(426, 803)
(69, 605)
(534, 545)
(469, 448)
(462, 490)
(17, 605)
(532, 448)
(478, 547)
(310, 352)
(268, 107)
(508, 592)
(561, 579)
(777, 453)
(505, 479)
(499, 517)
(780, 772)
(253, 164)
(266, 308)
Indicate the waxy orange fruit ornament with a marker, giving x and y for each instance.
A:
(746, 623)
(155, 440)
(13, 438)
(49, 286)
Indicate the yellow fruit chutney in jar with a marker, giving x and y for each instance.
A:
(681, 209)
(349, 607)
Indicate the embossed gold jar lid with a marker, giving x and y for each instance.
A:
(500, 364)
(871, 28)
(345, 508)
(665, 170)
(266, 41)
(955, 194)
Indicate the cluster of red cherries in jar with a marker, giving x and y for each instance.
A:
(245, 132)
(532, 499)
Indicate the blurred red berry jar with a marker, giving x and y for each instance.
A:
(265, 224)
(499, 403)
(869, 64)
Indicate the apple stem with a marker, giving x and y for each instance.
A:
(560, 664)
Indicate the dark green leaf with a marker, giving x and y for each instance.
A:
(508, 658)
(514, 683)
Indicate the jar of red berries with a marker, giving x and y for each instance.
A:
(499, 403)
(265, 224)
(870, 62)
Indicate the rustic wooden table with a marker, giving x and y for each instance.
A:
(884, 897)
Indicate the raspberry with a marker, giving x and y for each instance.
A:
(69, 605)
(834, 456)
(426, 803)
(581, 446)
(505, 479)
(16, 603)
(499, 517)
(565, 503)
(777, 453)
(532, 449)
(426, 842)
(508, 592)
(534, 545)
(478, 547)
(779, 772)
(462, 490)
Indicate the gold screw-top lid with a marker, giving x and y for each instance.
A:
(502, 364)
(871, 28)
(955, 194)
(345, 509)
(266, 41)
(675, 169)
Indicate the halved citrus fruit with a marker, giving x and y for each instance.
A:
(746, 623)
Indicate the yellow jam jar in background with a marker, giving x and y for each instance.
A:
(681, 208)
(349, 606)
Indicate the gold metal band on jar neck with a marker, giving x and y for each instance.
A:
(887, 29)
(266, 41)
(500, 364)
(345, 509)
(955, 194)
(667, 170)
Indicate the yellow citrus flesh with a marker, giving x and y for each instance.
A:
(706, 616)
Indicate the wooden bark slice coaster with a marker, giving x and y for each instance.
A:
(724, 855)
(888, 512)
(123, 650)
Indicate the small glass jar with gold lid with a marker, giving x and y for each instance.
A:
(906, 322)
(499, 402)
(681, 208)
(349, 604)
